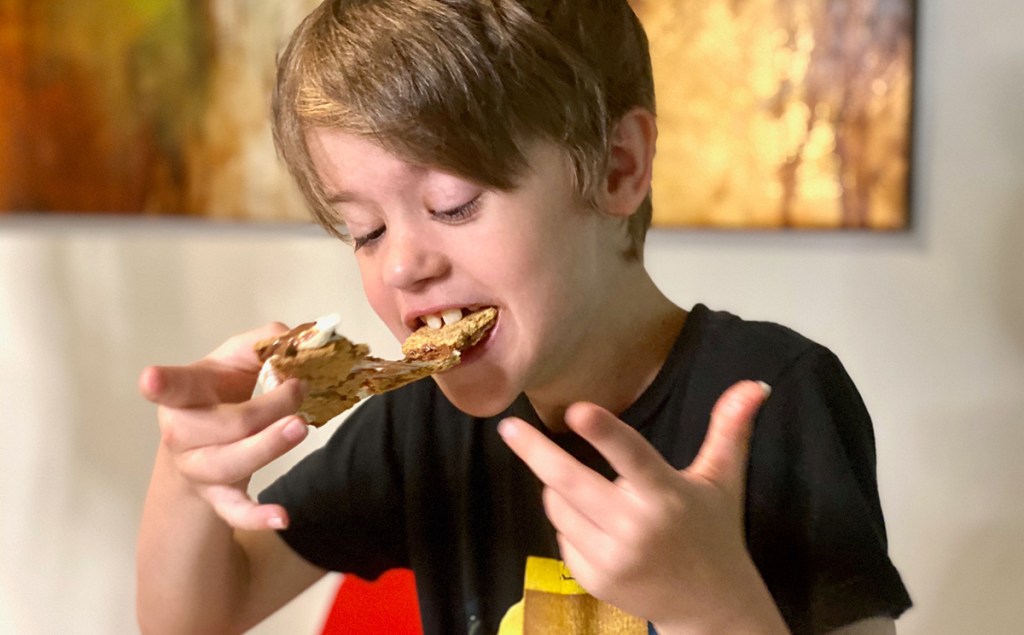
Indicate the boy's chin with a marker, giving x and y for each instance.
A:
(477, 400)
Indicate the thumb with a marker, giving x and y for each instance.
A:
(722, 459)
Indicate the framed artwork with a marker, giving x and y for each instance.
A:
(150, 107)
(782, 113)
(772, 113)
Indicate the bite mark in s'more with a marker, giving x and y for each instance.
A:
(340, 372)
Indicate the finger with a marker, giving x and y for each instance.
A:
(198, 384)
(582, 487)
(238, 510)
(589, 537)
(724, 454)
(626, 450)
(228, 374)
(580, 567)
(185, 429)
(234, 462)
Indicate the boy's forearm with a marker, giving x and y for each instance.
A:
(192, 573)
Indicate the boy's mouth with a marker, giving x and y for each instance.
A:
(446, 318)
(452, 330)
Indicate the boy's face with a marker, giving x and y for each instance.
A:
(427, 242)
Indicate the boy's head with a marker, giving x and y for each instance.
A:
(465, 85)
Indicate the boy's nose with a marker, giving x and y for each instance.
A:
(412, 259)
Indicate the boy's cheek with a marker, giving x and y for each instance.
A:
(383, 304)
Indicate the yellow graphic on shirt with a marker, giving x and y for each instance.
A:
(555, 604)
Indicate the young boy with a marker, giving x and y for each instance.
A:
(590, 466)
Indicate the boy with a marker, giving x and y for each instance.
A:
(498, 153)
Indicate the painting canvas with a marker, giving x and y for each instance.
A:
(150, 106)
(782, 113)
(772, 113)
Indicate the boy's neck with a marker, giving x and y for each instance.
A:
(628, 345)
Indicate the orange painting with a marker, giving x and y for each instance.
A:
(152, 107)
(772, 113)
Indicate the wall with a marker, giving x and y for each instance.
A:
(930, 324)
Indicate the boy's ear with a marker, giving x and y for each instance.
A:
(630, 163)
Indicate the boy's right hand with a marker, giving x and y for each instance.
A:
(216, 435)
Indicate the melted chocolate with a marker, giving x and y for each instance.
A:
(287, 344)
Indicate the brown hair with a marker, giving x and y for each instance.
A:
(462, 85)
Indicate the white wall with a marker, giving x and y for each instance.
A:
(930, 324)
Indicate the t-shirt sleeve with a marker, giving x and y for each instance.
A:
(344, 499)
(814, 521)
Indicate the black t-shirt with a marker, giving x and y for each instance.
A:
(410, 481)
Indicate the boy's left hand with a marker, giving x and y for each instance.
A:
(663, 544)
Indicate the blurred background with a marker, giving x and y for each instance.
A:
(929, 322)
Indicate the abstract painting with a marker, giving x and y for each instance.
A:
(150, 106)
(782, 113)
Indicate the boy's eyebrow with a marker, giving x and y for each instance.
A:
(342, 196)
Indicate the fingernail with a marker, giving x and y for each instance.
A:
(507, 429)
(765, 388)
(276, 522)
(295, 430)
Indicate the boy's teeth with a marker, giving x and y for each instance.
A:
(451, 316)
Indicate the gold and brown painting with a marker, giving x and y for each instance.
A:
(782, 113)
(772, 113)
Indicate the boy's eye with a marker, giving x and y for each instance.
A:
(361, 241)
(460, 213)
(454, 215)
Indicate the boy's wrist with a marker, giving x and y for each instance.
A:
(749, 610)
(751, 621)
